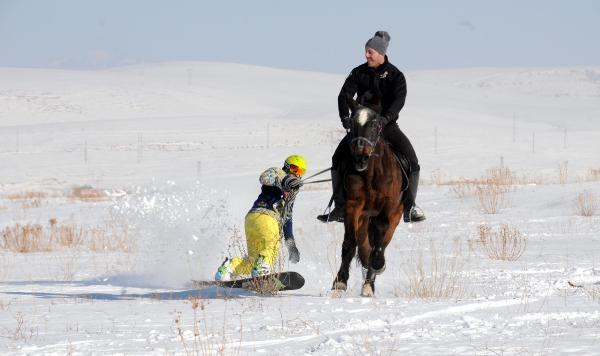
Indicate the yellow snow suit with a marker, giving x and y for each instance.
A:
(264, 223)
(262, 238)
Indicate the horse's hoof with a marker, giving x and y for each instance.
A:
(339, 286)
(367, 291)
(379, 271)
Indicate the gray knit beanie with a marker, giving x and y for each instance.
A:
(379, 42)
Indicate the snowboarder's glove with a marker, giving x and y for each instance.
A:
(292, 250)
(346, 123)
(291, 182)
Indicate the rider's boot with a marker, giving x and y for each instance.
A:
(337, 214)
(412, 213)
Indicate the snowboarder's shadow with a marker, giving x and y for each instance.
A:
(123, 293)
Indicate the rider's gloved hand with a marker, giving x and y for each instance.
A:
(290, 182)
(346, 122)
(384, 120)
(292, 250)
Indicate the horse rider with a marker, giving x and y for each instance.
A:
(269, 218)
(380, 78)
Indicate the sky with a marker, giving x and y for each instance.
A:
(323, 36)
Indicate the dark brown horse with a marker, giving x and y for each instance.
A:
(374, 199)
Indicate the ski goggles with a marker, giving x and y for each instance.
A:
(299, 171)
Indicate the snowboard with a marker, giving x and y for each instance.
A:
(274, 282)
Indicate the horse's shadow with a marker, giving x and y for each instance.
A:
(211, 292)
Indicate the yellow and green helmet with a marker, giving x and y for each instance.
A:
(295, 164)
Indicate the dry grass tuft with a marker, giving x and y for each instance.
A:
(87, 194)
(438, 178)
(205, 338)
(586, 203)
(27, 196)
(594, 174)
(30, 238)
(490, 190)
(25, 238)
(268, 285)
(433, 277)
(502, 176)
(464, 188)
(506, 244)
(28, 199)
(563, 173)
(491, 198)
(593, 293)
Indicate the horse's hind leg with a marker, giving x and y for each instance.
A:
(348, 252)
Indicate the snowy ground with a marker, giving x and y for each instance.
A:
(177, 149)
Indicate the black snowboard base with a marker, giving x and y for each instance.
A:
(271, 283)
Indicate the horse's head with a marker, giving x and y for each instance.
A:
(365, 129)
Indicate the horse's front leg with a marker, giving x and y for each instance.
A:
(378, 227)
(348, 252)
(352, 223)
(379, 230)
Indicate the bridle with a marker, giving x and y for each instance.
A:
(361, 141)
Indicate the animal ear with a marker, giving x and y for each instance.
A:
(367, 98)
(353, 105)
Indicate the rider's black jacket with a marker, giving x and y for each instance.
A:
(386, 82)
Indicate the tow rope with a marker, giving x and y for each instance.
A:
(304, 181)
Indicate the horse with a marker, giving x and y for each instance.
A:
(374, 204)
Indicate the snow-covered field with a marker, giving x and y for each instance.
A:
(159, 163)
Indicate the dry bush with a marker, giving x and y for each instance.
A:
(25, 238)
(593, 293)
(538, 179)
(563, 173)
(489, 189)
(27, 196)
(505, 244)
(433, 277)
(22, 331)
(491, 198)
(268, 285)
(491, 192)
(586, 203)
(438, 178)
(30, 238)
(205, 338)
(87, 194)
(464, 188)
(594, 175)
(499, 176)
(29, 199)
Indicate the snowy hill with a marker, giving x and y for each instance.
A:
(158, 163)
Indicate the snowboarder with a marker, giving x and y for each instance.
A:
(268, 219)
(380, 78)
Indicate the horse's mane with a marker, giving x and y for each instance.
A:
(371, 101)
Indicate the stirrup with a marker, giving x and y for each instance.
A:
(336, 215)
(414, 214)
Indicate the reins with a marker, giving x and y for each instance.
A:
(304, 181)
